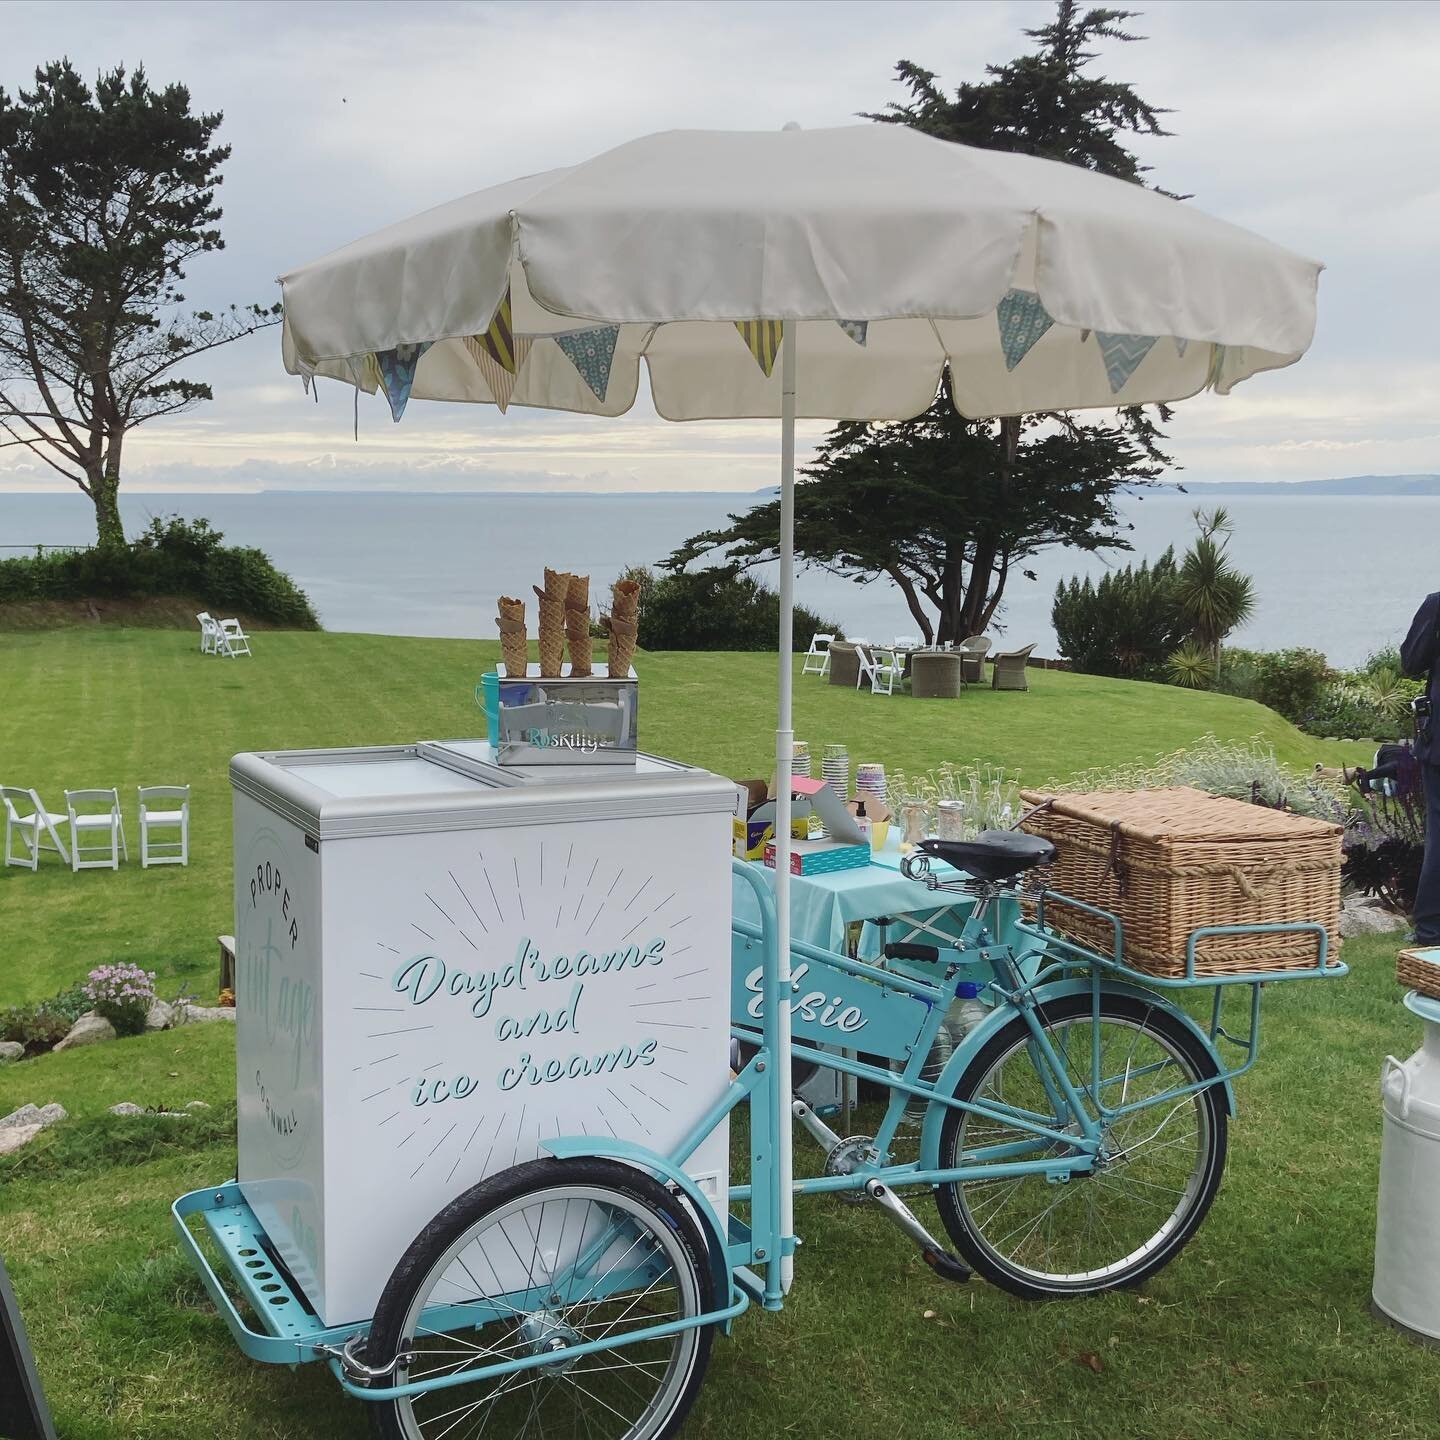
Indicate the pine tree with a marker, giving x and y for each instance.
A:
(105, 197)
(950, 508)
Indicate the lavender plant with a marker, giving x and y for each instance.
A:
(122, 994)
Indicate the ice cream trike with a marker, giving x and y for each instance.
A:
(487, 1021)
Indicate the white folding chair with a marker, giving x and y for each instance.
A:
(107, 823)
(230, 639)
(866, 666)
(26, 816)
(207, 633)
(164, 808)
(817, 657)
(887, 666)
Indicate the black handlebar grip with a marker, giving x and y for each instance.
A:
(902, 951)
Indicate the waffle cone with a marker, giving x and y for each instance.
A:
(513, 646)
(552, 633)
(625, 600)
(578, 595)
(622, 647)
(557, 584)
(577, 637)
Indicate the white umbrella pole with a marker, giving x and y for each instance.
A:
(784, 756)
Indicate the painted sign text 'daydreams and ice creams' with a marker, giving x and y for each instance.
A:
(426, 979)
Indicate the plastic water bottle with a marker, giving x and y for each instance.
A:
(967, 1010)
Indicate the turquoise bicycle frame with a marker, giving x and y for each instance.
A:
(838, 1002)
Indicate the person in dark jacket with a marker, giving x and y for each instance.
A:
(1420, 659)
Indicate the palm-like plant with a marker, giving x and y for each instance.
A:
(1191, 666)
(1213, 596)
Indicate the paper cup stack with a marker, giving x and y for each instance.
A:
(835, 770)
(870, 782)
(800, 760)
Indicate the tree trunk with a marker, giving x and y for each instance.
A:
(106, 496)
(104, 489)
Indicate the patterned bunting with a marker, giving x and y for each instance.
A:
(1181, 346)
(397, 374)
(1123, 354)
(499, 339)
(855, 329)
(763, 339)
(1023, 320)
(591, 352)
(502, 382)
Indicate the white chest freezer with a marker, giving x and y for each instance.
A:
(441, 963)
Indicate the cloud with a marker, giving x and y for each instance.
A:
(1314, 125)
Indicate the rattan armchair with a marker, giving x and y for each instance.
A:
(972, 658)
(936, 675)
(1009, 670)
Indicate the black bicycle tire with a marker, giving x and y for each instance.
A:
(499, 1189)
(1118, 1006)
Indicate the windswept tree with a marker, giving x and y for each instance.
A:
(949, 508)
(106, 195)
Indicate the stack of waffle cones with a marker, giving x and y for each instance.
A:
(513, 646)
(552, 620)
(624, 624)
(577, 624)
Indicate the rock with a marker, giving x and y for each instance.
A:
(89, 1029)
(203, 1014)
(11, 1050)
(160, 1016)
(127, 1107)
(1369, 920)
(41, 1115)
(15, 1136)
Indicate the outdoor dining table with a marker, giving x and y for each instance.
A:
(823, 907)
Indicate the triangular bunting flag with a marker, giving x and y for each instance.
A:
(501, 381)
(365, 372)
(1181, 346)
(1123, 354)
(397, 374)
(855, 329)
(590, 352)
(1023, 320)
(499, 339)
(763, 339)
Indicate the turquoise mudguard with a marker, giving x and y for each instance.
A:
(578, 1147)
(976, 1039)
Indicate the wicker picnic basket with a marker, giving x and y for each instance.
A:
(1415, 970)
(1169, 861)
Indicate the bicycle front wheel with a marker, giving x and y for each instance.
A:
(536, 1261)
(1160, 1166)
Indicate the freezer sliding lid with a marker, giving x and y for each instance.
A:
(457, 785)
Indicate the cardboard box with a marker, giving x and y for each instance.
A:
(751, 836)
(821, 857)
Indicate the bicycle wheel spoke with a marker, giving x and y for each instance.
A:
(596, 1265)
(1141, 1185)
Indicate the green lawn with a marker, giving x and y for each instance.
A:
(1259, 1329)
(128, 707)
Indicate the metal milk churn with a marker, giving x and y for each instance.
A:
(1407, 1231)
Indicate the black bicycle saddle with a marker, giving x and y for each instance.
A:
(993, 854)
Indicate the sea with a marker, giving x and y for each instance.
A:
(1337, 573)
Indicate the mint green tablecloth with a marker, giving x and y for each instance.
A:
(822, 906)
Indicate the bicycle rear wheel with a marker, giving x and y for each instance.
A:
(537, 1260)
(1156, 1179)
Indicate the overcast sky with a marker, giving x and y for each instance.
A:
(1312, 123)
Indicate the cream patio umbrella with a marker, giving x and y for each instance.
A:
(826, 274)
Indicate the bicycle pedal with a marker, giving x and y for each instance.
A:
(947, 1266)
